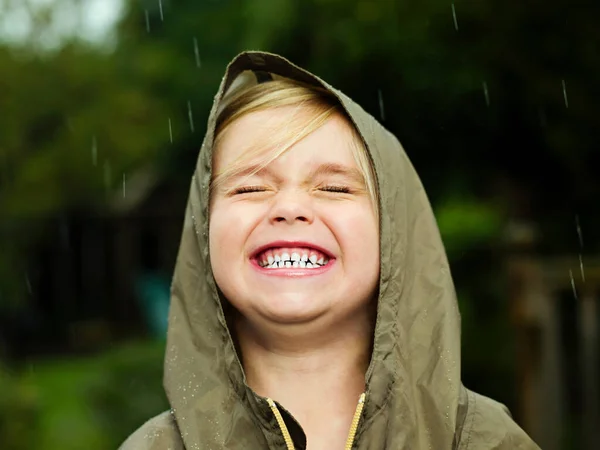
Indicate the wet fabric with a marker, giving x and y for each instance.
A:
(414, 397)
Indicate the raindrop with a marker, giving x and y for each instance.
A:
(195, 225)
(573, 284)
(190, 116)
(147, 20)
(94, 151)
(124, 185)
(170, 130)
(197, 53)
(564, 86)
(29, 290)
(578, 225)
(454, 17)
(160, 7)
(381, 108)
(580, 236)
(486, 93)
(107, 174)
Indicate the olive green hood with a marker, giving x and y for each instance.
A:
(414, 397)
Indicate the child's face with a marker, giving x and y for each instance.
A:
(294, 209)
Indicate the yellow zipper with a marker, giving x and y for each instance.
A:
(286, 434)
(351, 435)
(355, 420)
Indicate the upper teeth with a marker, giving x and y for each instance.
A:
(304, 258)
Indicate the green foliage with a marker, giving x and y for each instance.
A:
(92, 403)
(81, 116)
(19, 412)
(68, 139)
(489, 93)
(466, 224)
(130, 393)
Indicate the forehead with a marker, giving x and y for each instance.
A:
(255, 136)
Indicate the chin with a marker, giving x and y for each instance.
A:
(292, 309)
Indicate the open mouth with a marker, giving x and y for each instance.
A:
(292, 257)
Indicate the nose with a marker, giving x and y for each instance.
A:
(291, 207)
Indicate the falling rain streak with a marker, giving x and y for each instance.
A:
(170, 131)
(573, 284)
(124, 185)
(160, 7)
(94, 151)
(564, 86)
(190, 116)
(197, 53)
(29, 290)
(381, 108)
(580, 236)
(147, 20)
(454, 17)
(486, 93)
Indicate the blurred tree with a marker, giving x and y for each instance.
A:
(494, 102)
(75, 125)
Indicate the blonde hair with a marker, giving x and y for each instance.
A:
(314, 106)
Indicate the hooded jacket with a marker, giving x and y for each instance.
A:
(414, 397)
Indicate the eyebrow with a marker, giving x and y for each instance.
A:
(351, 173)
(338, 169)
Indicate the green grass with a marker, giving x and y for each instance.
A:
(91, 402)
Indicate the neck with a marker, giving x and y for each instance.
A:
(317, 374)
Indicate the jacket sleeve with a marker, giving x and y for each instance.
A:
(159, 433)
(489, 426)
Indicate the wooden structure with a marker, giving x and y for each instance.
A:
(83, 279)
(555, 305)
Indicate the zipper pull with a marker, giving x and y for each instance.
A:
(355, 421)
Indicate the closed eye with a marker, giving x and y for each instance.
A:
(334, 188)
(247, 189)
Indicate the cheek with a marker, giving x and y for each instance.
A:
(229, 228)
(357, 233)
(220, 226)
(358, 237)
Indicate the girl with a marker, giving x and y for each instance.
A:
(312, 304)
